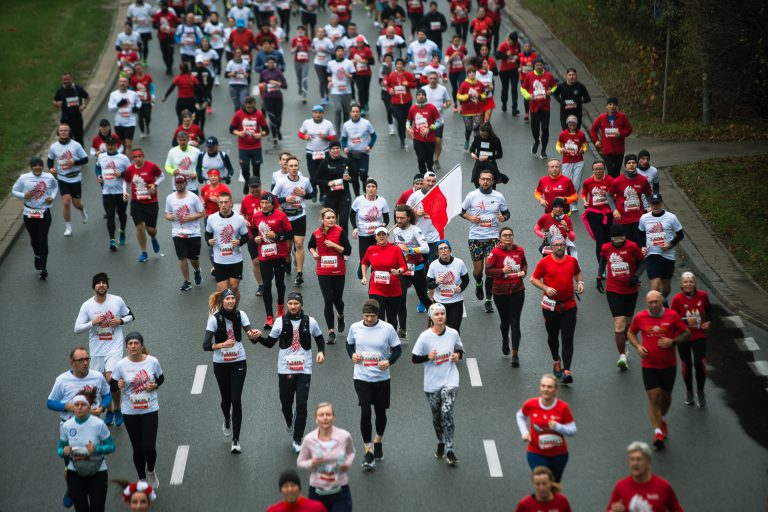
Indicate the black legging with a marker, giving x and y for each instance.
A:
(601, 231)
(231, 377)
(425, 155)
(560, 324)
(290, 385)
(274, 110)
(308, 19)
(88, 493)
(366, 429)
(358, 169)
(693, 355)
(613, 164)
(38, 237)
(113, 203)
(509, 81)
(273, 269)
(363, 83)
(142, 430)
(419, 282)
(400, 113)
(415, 21)
(145, 116)
(632, 232)
(285, 19)
(510, 307)
(322, 77)
(341, 203)
(167, 49)
(462, 29)
(183, 104)
(456, 79)
(540, 128)
(332, 288)
(388, 307)
(145, 38)
(454, 312)
(363, 243)
(387, 100)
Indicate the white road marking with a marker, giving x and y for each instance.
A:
(463, 311)
(179, 464)
(474, 372)
(733, 321)
(747, 344)
(494, 465)
(759, 367)
(197, 384)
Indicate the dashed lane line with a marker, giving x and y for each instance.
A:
(474, 372)
(492, 456)
(179, 464)
(199, 381)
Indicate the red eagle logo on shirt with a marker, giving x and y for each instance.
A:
(108, 317)
(445, 278)
(66, 155)
(185, 163)
(372, 215)
(182, 212)
(227, 234)
(39, 190)
(139, 381)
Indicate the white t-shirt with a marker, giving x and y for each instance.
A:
(658, 231)
(279, 175)
(340, 82)
(135, 397)
(288, 360)
(358, 133)
(652, 175)
(437, 96)
(370, 214)
(441, 372)
(67, 386)
(237, 351)
(187, 205)
(420, 54)
(240, 70)
(487, 207)
(411, 237)
(392, 46)
(323, 49)
(112, 169)
(448, 278)
(225, 231)
(334, 33)
(78, 435)
(374, 344)
(215, 34)
(185, 162)
(143, 15)
(124, 116)
(315, 144)
(240, 13)
(72, 150)
(42, 187)
(424, 222)
(284, 188)
(103, 340)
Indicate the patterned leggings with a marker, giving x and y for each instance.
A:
(441, 403)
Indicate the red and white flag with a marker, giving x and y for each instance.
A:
(443, 201)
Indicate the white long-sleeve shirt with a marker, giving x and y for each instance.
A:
(124, 116)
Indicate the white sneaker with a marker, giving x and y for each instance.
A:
(152, 479)
(84, 215)
(236, 446)
(216, 81)
(226, 429)
(68, 231)
(391, 129)
(622, 362)
(296, 447)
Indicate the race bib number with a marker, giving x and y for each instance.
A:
(570, 104)
(268, 250)
(327, 474)
(539, 95)
(442, 357)
(229, 355)
(320, 57)
(227, 249)
(411, 268)
(104, 333)
(381, 277)
(140, 401)
(447, 290)
(198, 19)
(272, 87)
(487, 154)
(370, 358)
(434, 25)
(318, 155)
(329, 261)
(124, 112)
(341, 8)
(632, 205)
(183, 233)
(336, 184)
(658, 239)
(571, 148)
(295, 362)
(302, 56)
(487, 222)
(341, 87)
(361, 66)
(548, 304)
(612, 132)
(481, 39)
(73, 101)
(399, 89)
(599, 199)
(356, 141)
(549, 441)
(33, 213)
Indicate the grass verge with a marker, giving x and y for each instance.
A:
(736, 213)
(40, 40)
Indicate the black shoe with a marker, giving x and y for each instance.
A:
(331, 338)
(185, 286)
(198, 278)
(515, 112)
(260, 290)
(488, 306)
(299, 279)
(368, 462)
(245, 188)
(43, 274)
(543, 155)
(515, 362)
(378, 451)
(451, 458)
(340, 322)
(440, 453)
(504, 107)
(505, 347)
(535, 148)
(479, 291)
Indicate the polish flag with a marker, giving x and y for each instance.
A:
(443, 202)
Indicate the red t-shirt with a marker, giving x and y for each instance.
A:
(251, 205)
(622, 265)
(141, 86)
(186, 85)
(595, 193)
(611, 134)
(508, 62)
(456, 58)
(460, 11)
(210, 196)
(342, 9)
(482, 29)
(572, 144)
(423, 117)
(558, 504)
(331, 262)
(404, 197)
(693, 311)
(381, 260)
(626, 192)
(98, 145)
(140, 179)
(195, 133)
(538, 86)
(526, 63)
(468, 106)
(655, 495)
(547, 223)
(401, 85)
(243, 40)
(650, 329)
(362, 68)
(301, 46)
(414, 7)
(252, 123)
(545, 441)
(494, 266)
(550, 188)
(559, 274)
(277, 222)
(302, 505)
(166, 24)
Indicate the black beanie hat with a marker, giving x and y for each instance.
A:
(289, 476)
(101, 276)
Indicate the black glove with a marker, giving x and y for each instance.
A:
(600, 285)
(123, 102)
(634, 280)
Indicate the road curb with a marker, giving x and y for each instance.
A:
(99, 86)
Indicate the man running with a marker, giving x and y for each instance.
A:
(125, 104)
(249, 126)
(143, 177)
(423, 221)
(663, 232)
(292, 191)
(71, 99)
(537, 87)
(69, 157)
(318, 133)
(110, 169)
(250, 206)
(213, 158)
(625, 197)
(421, 125)
(182, 160)
(409, 238)
(185, 209)
(642, 490)
(438, 96)
(608, 133)
(226, 232)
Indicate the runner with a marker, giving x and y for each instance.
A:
(214, 32)
(572, 95)
(300, 48)
(373, 347)
(110, 169)
(608, 133)
(440, 348)
(554, 185)
(184, 210)
(547, 493)
(659, 329)
(318, 133)
(486, 70)
(485, 208)
(223, 337)
(142, 83)
(69, 157)
(438, 96)
(188, 36)
(166, 21)
(597, 217)
(418, 180)
(526, 57)
(554, 275)
(622, 262)
(290, 488)
(322, 47)
(485, 150)
(196, 135)
(249, 126)
(663, 232)
(537, 87)
(272, 80)
(645, 168)
(292, 191)
(334, 177)
(390, 43)
(410, 240)
(103, 316)
(209, 193)
(434, 24)
(37, 190)
(139, 375)
(239, 75)
(330, 246)
(362, 57)
(423, 221)
(250, 206)
(384, 71)
(271, 230)
(694, 308)
(387, 265)
(341, 73)
(97, 142)
(471, 94)
(125, 103)
(226, 232)
(507, 54)
(421, 125)
(481, 28)
(507, 267)
(642, 490)
(572, 144)
(454, 58)
(84, 440)
(328, 452)
(448, 277)
(460, 18)
(399, 84)
(625, 198)
(544, 422)
(214, 158)
(71, 99)
(357, 139)
(182, 160)
(294, 362)
(369, 211)
(142, 178)
(203, 90)
(556, 224)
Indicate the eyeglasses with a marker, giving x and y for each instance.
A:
(82, 360)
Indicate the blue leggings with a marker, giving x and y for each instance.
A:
(556, 463)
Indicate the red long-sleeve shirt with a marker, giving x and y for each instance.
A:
(611, 134)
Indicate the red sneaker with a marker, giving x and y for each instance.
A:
(664, 428)
(269, 322)
(557, 369)
(658, 441)
(280, 311)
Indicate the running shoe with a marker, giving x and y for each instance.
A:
(402, 334)
(503, 107)
(515, 112)
(466, 145)
(391, 129)
(68, 231)
(109, 418)
(331, 338)
(658, 441)
(152, 479)
(185, 286)
(622, 362)
(226, 428)
(689, 399)
(479, 291)
(557, 369)
(341, 324)
(155, 245)
(702, 399)
(236, 448)
(295, 447)
(664, 428)
(299, 279)
(436, 165)
(280, 310)
(515, 362)
(269, 322)
(455, 109)
(143, 257)
(210, 110)
(450, 457)
(288, 267)
(567, 378)
(525, 117)
(368, 461)
(119, 419)
(543, 155)
(488, 306)
(43, 274)
(113, 245)
(216, 81)
(421, 308)
(378, 451)
(84, 215)
(440, 452)
(198, 277)
(260, 290)
(67, 501)
(535, 147)
(505, 347)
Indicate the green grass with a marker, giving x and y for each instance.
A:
(40, 40)
(726, 192)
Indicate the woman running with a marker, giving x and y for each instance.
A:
(300, 47)
(471, 94)
(369, 211)
(322, 47)
(543, 423)
(223, 335)
(328, 452)
(387, 264)
(185, 100)
(485, 150)
(449, 277)
(440, 348)
(507, 266)
(329, 245)
(138, 376)
(546, 495)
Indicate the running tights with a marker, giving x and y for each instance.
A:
(555, 463)
(231, 377)
(365, 422)
(561, 324)
(471, 126)
(332, 288)
(400, 112)
(540, 128)
(388, 307)
(290, 385)
(601, 230)
(693, 355)
(38, 238)
(419, 282)
(510, 307)
(89, 493)
(114, 204)
(454, 312)
(142, 430)
(273, 269)
(441, 404)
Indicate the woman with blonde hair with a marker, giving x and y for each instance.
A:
(546, 494)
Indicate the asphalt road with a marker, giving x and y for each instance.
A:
(710, 460)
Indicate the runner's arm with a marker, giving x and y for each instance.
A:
(394, 355)
(522, 423)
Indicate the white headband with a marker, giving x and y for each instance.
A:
(434, 308)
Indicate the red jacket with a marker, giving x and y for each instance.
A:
(250, 206)
(493, 8)
(301, 46)
(210, 197)
(342, 9)
(428, 116)
(381, 260)
(277, 222)
(414, 6)
(243, 40)
(459, 11)
(456, 64)
(165, 23)
(331, 262)
(400, 86)
(612, 141)
(526, 63)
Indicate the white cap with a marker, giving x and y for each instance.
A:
(381, 229)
